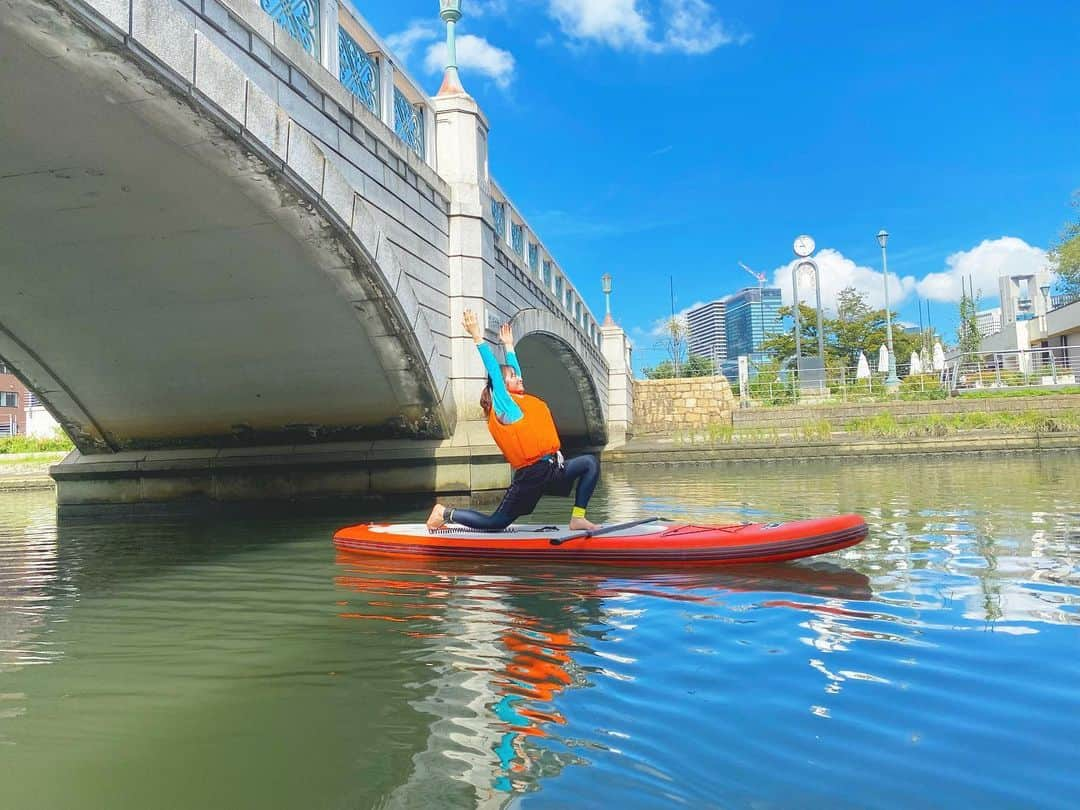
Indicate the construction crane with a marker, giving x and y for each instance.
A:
(759, 276)
(761, 306)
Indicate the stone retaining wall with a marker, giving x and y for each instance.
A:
(687, 403)
(840, 416)
(650, 451)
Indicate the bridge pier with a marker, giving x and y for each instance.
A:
(466, 465)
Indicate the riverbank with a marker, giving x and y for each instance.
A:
(23, 471)
(702, 448)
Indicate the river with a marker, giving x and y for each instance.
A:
(237, 661)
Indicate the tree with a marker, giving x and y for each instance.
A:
(968, 338)
(664, 370)
(1065, 253)
(674, 341)
(698, 366)
(856, 328)
(781, 344)
(851, 305)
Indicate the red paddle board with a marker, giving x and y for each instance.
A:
(654, 542)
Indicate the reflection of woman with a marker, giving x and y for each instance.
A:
(523, 429)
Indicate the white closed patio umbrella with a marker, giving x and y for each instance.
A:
(883, 360)
(916, 364)
(939, 357)
(863, 371)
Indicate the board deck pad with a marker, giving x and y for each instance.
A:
(651, 541)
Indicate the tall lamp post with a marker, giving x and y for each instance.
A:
(892, 381)
(450, 11)
(605, 285)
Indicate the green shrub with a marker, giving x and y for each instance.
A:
(33, 444)
(922, 387)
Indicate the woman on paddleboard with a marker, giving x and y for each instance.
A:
(523, 429)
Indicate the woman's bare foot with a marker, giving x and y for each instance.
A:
(437, 519)
(581, 524)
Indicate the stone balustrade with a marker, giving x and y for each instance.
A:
(340, 40)
(521, 246)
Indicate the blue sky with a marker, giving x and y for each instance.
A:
(649, 138)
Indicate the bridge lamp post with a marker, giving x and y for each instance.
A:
(450, 11)
(892, 382)
(605, 285)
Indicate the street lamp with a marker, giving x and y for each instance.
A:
(450, 11)
(892, 381)
(605, 285)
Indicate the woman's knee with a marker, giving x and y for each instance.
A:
(499, 521)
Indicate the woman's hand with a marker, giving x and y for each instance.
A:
(472, 326)
(506, 337)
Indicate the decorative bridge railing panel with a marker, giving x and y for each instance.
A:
(541, 283)
(342, 43)
(359, 71)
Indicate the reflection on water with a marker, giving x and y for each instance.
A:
(934, 664)
(506, 645)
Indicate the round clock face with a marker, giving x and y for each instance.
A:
(804, 246)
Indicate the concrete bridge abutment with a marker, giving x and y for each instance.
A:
(232, 280)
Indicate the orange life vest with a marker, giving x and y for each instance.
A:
(528, 439)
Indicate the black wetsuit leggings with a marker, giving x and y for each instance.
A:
(583, 469)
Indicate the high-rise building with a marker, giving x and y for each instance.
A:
(988, 321)
(708, 332)
(752, 316)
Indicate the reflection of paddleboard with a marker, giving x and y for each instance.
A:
(646, 542)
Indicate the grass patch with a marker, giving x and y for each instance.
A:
(885, 425)
(35, 458)
(996, 393)
(817, 430)
(32, 444)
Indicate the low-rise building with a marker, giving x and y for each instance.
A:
(13, 396)
(21, 412)
(1031, 321)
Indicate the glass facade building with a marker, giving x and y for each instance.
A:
(752, 316)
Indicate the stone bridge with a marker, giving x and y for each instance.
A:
(235, 257)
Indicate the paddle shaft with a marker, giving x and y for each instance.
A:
(558, 541)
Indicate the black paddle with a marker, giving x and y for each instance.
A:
(566, 538)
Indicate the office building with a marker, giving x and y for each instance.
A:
(707, 335)
(988, 321)
(752, 317)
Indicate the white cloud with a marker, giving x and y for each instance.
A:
(474, 54)
(487, 8)
(617, 23)
(686, 26)
(837, 272)
(659, 328)
(403, 43)
(983, 264)
(692, 27)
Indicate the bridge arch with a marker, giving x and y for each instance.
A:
(142, 171)
(556, 371)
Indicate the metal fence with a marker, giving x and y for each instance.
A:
(770, 384)
(1051, 366)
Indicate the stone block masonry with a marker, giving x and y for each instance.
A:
(686, 403)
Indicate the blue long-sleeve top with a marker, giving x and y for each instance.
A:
(506, 410)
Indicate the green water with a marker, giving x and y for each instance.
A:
(227, 661)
